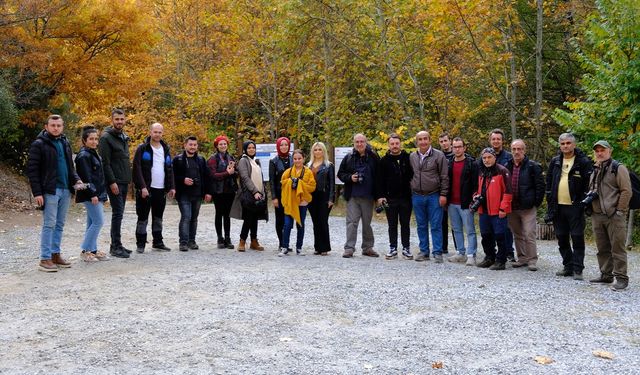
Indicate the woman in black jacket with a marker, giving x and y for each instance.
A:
(223, 178)
(89, 168)
(323, 197)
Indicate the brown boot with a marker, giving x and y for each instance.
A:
(47, 266)
(255, 245)
(58, 261)
(242, 245)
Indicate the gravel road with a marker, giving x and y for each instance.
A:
(216, 311)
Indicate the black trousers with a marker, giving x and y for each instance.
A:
(155, 202)
(117, 212)
(223, 204)
(399, 210)
(319, 211)
(250, 226)
(279, 211)
(569, 224)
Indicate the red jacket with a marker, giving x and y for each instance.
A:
(495, 182)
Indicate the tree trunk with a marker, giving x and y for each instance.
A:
(538, 105)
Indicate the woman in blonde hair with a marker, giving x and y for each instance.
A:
(322, 198)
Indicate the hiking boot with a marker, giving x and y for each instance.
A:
(300, 252)
(47, 266)
(498, 266)
(564, 273)
(283, 251)
(347, 254)
(392, 254)
(88, 257)
(421, 257)
(228, 244)
(438, 258)
(58, 261)
(370, 253)
(193, 246)
(119, 253)
(532, 267)
(458, 258)
(255, 245)
(140, 249)
(471, 261)
(406, 253)
(519, 264)
(620, 284)
(221, 244)
(242, 245)
(602, 280)
(160, 247)
(578, 276)
(511, 258)
(183, 247)
(486, 263)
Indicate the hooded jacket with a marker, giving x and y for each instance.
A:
(143, 162)
(494, 185)
(114, 150)
(42, 165)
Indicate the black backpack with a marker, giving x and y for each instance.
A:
(634, 203)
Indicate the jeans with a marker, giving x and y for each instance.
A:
(288, 225)
(492, 229)
(189, 211)
(359, 208)
(156, 203)
(399, 210)
(55, 212)
(461, 224)
(117, 212)
(428, 214)
(95, 220)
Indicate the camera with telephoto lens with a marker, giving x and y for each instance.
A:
(589, 198)
(294, 183)
(477, 201)
(383, 207)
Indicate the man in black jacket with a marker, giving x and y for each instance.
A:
(192, 184)
(567, 183)
(52, 178)
(358, 172)
(527, 187)
(463, 183)
(394, 179)
(153, 180)
(114, 151)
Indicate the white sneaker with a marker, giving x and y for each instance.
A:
(471, 261)
(283, 251)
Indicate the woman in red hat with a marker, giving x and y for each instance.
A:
(222, 169)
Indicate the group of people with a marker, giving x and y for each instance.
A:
(436, 185)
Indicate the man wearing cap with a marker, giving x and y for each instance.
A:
(567, 184)
(610, 188)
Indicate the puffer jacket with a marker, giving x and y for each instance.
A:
(42, 165)
(143, 163)
(89, 168)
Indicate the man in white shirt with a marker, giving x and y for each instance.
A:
(153, 180)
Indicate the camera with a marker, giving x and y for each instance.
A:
(360, 177)
(383, 207)
(294, 183)
(196, 181)
(589, 198)
(477, 201)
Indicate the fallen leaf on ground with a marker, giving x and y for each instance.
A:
(603, 354)
(543, 360)
(437, 365)
(285, 339)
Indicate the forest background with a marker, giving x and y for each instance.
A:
(324, 70)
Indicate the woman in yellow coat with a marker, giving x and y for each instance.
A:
(297, 185)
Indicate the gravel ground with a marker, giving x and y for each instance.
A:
(220, 311)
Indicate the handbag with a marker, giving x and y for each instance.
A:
(249, 203)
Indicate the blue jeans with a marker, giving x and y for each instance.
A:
(461, 224)
(288, 225)
(55, 212)
(95, 220)
(189, 211)
(492, 229)
(428, 214)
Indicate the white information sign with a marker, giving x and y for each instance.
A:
(264, 153)
(340, 153)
